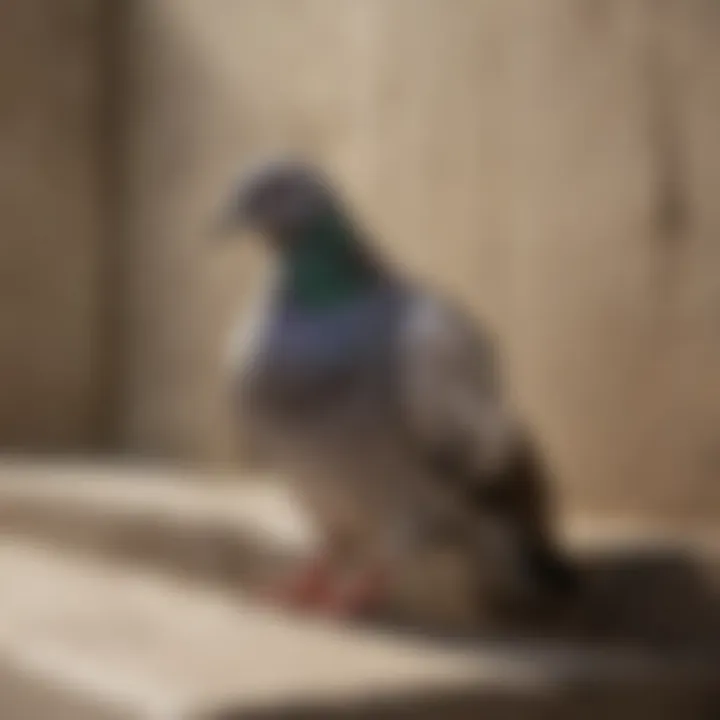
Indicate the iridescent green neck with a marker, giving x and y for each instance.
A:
(326, 267)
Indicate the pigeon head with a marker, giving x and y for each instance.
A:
(323, 256)
(282, 200)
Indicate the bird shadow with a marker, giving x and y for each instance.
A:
(657, 599)
(663, 602)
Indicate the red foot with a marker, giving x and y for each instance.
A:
(317, 588)
(307, 588)
(361, 597)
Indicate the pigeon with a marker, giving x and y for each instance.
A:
(383, 403)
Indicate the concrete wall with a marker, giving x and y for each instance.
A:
(554, 163)
(50, 221)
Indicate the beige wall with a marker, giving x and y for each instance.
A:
(50, 249)
(555, 163)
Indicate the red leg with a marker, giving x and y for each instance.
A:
(361, 596)
(307, 587)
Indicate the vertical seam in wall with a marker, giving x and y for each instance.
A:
(671, 218)
(111, 334)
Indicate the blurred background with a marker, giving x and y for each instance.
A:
(554, 164)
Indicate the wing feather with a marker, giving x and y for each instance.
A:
(452, 390)
(456, 410)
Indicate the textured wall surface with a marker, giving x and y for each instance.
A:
(553, 163)
(49, 223)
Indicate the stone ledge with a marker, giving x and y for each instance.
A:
(131, 644)
(649, 584)
(208, 525)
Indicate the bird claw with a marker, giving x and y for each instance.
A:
(306, 588)
(317, 588)
(362, 596)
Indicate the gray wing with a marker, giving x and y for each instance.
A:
(452, 393)
(455, 409)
